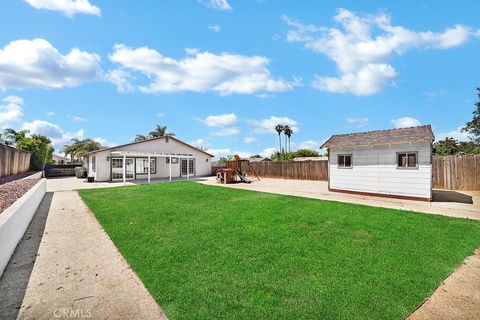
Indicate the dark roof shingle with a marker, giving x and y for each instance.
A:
(401, 135)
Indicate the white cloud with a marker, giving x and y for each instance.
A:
(363, 45)
(104, 142)
(220, 121)
(120, 78)
(249, 139)
(220, 5)
(405, 122)
(223, 73)
(215, 28)
(455, 134)
(366, 81)
(200, 143)
(50, 113)
(160, 114)
(67, 7)
(227, 132)
(218, 153)
(359, 122)
(267, 152)
(310, 144)
(77, 118)
(11, 112)
(268, 125)
(192, 51)
(37, 64)
(58, 136)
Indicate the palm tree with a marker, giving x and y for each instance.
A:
(12, 137)
(288, 133)
(160, 131)
(80, 147)
(87, 145)
(279, 129)
(140, 137)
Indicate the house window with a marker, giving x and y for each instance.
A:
(344, 160)
(141, 166)
(407, 160)
(174, 160)
(94, 163)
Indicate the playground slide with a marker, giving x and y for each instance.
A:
(242, 177)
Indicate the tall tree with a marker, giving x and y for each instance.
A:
(473, 127)
(40, 148)
(279, 129)
(288, 133)
(160, 131)
(79, 147)
(11, 136)
(140, 137)
(445, 147)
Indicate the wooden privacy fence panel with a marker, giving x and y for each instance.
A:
(13, 161)
(300, 170)
(456, 172)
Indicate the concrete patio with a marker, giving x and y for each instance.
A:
(459, 204)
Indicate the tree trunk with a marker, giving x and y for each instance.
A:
(280, 143)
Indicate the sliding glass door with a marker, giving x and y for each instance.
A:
(117, 168)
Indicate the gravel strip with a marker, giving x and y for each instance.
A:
(11, 191)
(16, 177)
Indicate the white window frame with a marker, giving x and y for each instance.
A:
(343, 166)
(407, 153)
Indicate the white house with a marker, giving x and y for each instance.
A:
(391, 163)
(163, 157)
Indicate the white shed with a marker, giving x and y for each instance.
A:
(163, 157)
(393, 163)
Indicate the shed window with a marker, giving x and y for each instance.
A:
(94, 163)
(407, 160)
(344, 160)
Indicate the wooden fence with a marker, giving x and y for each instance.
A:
(300, 170)
(448, 172)
(13, 161)
(456, 172)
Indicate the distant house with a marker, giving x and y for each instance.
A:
(59, 159)
(256, 159)
(163, 157)
(390, 163)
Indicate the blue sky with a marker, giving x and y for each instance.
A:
(221, 73)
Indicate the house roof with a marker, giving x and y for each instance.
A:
(401, 135)
(137, 142)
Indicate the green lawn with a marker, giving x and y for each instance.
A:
(208, 252)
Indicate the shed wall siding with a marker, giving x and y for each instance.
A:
(374, 169)
(203, 167)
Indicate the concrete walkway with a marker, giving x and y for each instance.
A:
(459, 204)
(458, 297)
(77, 272)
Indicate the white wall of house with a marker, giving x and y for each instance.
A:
(203, 162)
(374, 170)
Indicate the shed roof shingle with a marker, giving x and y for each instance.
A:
(401, 135)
